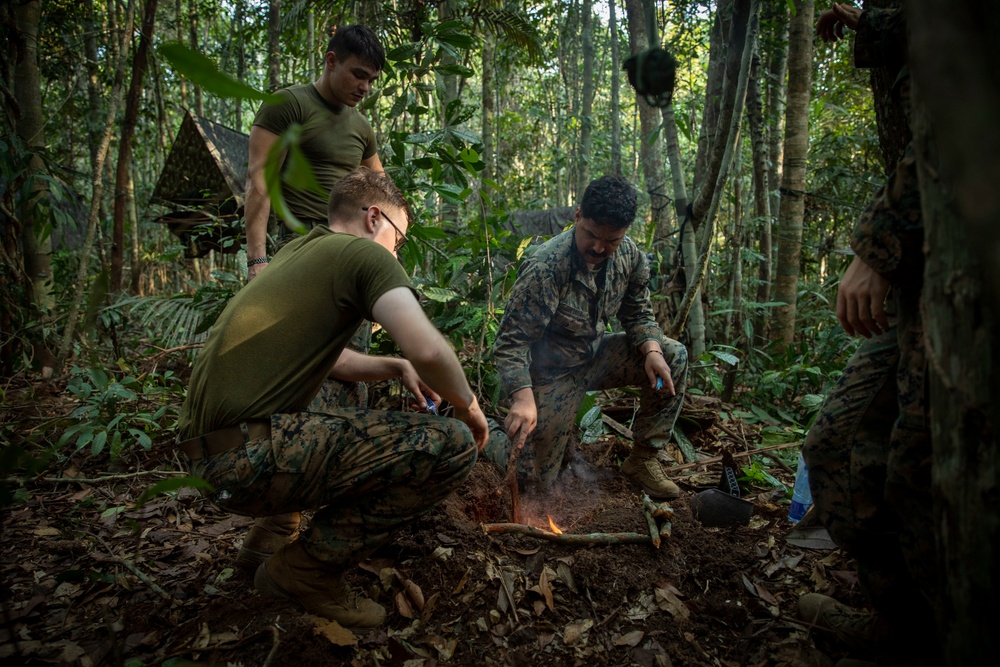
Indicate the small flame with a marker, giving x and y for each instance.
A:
(553, 527)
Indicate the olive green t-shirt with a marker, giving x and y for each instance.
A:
(276, 340)
(334, 142)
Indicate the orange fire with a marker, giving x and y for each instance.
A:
(553, 527)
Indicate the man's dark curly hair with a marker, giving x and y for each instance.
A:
(358, 40)
(609, 200)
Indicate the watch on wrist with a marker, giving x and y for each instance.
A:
(256, 260)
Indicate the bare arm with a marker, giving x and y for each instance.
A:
(353, 366)
(373, 163)
(258, 204)
(431, 355)
(861, 300)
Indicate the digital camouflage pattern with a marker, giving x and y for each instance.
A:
(365, 472)
(617, 364)
(559, 310)
(553, 338)
(869, 449)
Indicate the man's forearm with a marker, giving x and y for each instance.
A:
(256, 211)
(437, 365)
(353, 366)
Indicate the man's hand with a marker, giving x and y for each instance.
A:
(474, 418)
(861, 300)
(522, 418)
(412, 383)
(655, 365)
(252, 271)
(831, 23)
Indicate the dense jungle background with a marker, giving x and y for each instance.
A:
(121, 187)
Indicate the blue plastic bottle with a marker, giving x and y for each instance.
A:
(801, 495)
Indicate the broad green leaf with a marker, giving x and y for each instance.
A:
(202, 71)
(439, 294)
(730, 359)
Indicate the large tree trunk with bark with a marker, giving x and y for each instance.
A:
(793, 176)
(955, 59)
(762, 204)
(744, 27)
(123, 171)
(37, 246)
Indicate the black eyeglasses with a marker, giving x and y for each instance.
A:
(400, 238)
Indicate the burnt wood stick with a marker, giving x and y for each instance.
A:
(567, 538)
(510, 481)
(658, 510)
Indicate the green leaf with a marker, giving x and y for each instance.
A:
(173, 484)
(202, 71)
(454, 70)
(588, 402)
(439, 294)
(406, 51)
(730, 359)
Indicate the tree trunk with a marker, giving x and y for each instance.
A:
(650, 147)
(489, 104)
(122, 173)
(616, 122)
(241, 56)
(274, 45)
(587, 103)
(114, 99)
(179, 19)
(744, 28)
(31, 131)
(713, 91)
(762, 204)
(793, 177)
(777, 86)
(199, 101)
(954, 56)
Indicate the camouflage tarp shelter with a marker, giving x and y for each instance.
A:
(202, 184)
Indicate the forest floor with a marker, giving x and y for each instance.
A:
(89, 578)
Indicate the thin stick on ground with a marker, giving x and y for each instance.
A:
(510, 481)
(737, 455)
(567, 538)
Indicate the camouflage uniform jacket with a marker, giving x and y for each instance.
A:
(888, 235)
(559, 310)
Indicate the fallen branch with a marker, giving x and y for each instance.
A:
(96, 480)
(566, 538)
(654, 530)
(738, 455)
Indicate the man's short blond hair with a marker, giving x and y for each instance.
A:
(360, 188)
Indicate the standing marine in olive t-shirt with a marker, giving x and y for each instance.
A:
(336, 138)
(247, 430)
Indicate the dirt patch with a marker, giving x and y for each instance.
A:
(90, 579)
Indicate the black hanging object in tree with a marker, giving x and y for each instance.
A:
(653, 73)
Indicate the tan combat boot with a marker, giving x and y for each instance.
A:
(294, 575)
(643, 468)
(267, 535)
(859, 630)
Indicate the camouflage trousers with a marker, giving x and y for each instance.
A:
(869, 458)
(616, 364)
(365, 472)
